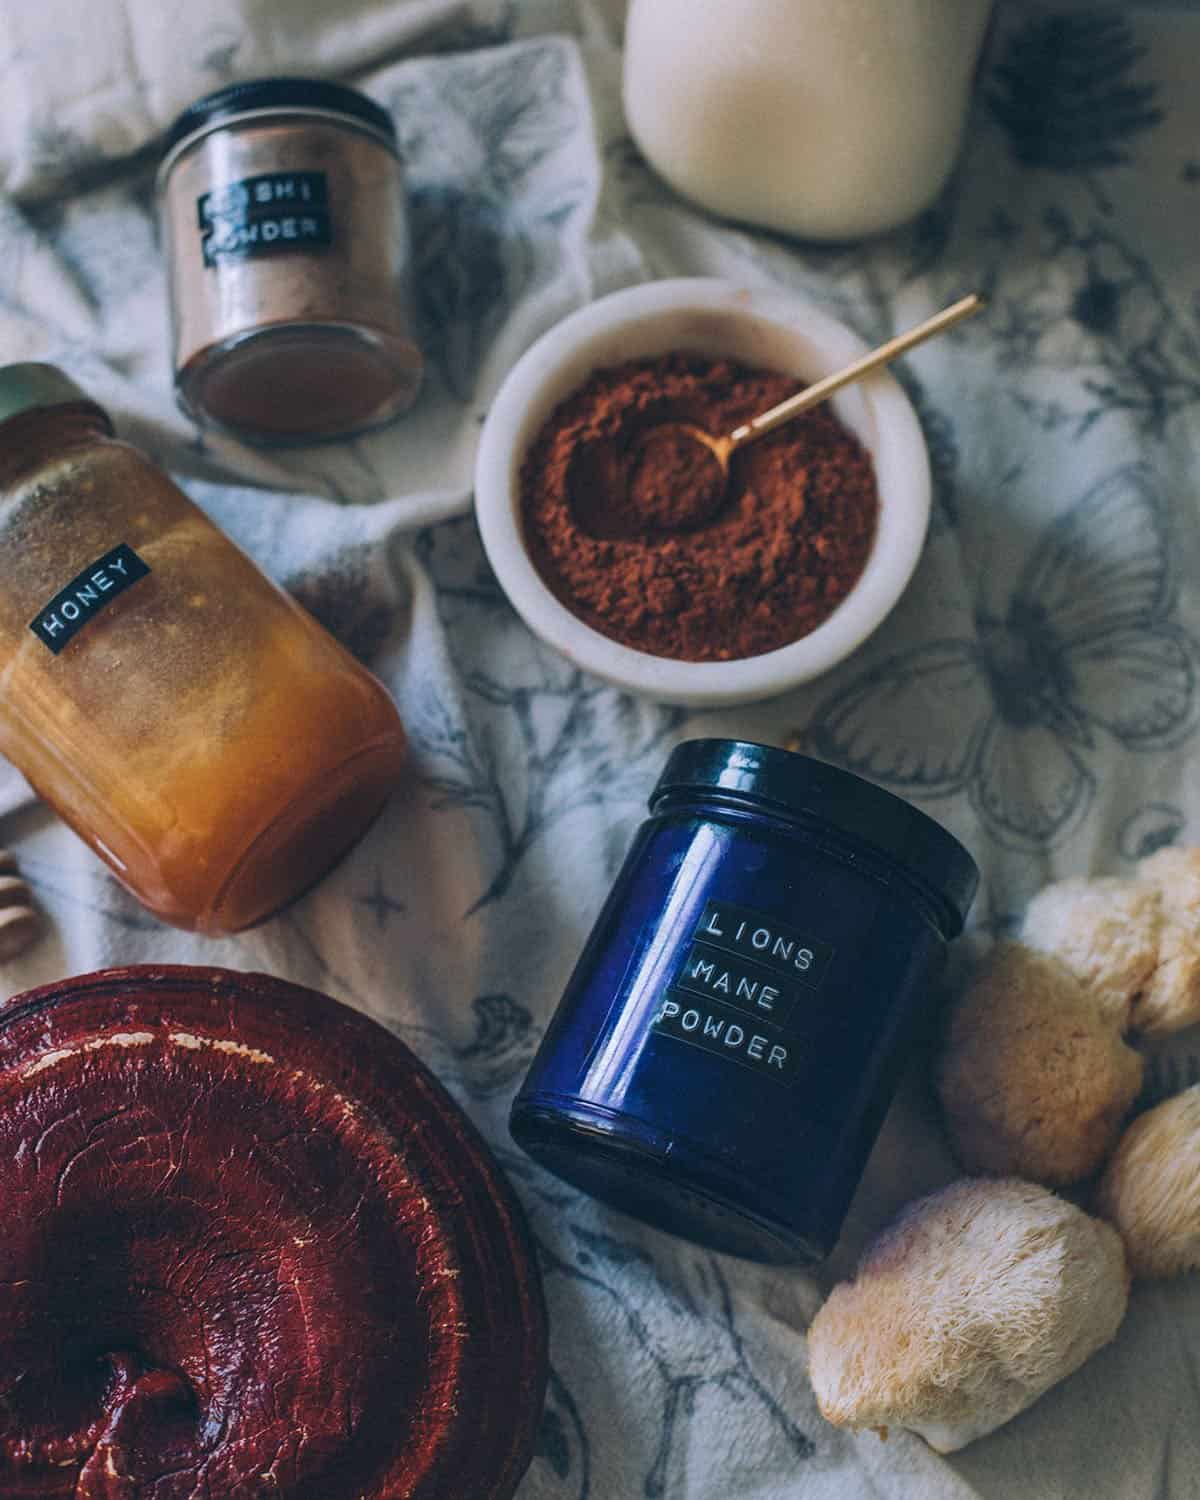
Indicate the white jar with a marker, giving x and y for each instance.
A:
(827, 119)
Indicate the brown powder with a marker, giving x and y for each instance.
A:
(331, 349)
(624, 531)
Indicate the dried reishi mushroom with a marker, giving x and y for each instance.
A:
(973, 1303)
(1035, 1077)
(20, 920)
(1150, 1190)
(1133, 944)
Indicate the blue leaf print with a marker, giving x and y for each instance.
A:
(1064, 95)
(563, 1443)
(1081, 299)
(1150, 828)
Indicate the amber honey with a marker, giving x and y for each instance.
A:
(208, 739)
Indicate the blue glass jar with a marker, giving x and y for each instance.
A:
(733, 1033)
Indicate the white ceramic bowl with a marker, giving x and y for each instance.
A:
(772, 329)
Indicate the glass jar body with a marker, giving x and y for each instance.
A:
(732, 1036)
(288, 251)
(829, 122)
(208, 739)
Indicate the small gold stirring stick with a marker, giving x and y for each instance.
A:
(812, 395)
(723, 447)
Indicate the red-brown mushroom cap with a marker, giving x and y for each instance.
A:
(250, 1246)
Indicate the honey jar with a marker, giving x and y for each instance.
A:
(193, 724)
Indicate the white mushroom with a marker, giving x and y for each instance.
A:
(1105, 931)
(976, 1301)
(1150, 1190)
(1035, 1078)
(1133, 944)
(1171, 999)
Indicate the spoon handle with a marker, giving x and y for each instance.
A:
(814, 394)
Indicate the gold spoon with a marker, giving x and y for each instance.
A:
(675, 511)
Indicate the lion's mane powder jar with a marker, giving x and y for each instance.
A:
(733, 1033)
(286, 234)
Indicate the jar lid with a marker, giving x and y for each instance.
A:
(30, 386)
(321, 95)
(812, 789)
(362, 1265)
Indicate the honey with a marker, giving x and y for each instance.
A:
(202, 732)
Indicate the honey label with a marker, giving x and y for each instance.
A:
(742, 979)
(86, 595)
(264, 215)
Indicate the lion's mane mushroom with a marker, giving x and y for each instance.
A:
(1035, 1078)
(1171, 1000)
(977, 1300)
(1105, 931)
(1133, 944)
(1150, 1190)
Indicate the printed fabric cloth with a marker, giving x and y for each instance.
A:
(1035, 690)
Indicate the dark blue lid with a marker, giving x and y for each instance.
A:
(282, 94)
(813, 789)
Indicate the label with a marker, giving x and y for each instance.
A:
(86, 595)
(741, 981)
(717, 975)
(728, 1033)
(748, 934)
(263, 215)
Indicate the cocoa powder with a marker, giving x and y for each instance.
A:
(639, 538)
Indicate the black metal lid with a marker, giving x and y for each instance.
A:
(811, 788)
(279, 93)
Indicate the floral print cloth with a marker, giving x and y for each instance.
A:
(1036, 689)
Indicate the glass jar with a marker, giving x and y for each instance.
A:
(732, 1036)
(208, 739)
(286, 236)
(825, 121)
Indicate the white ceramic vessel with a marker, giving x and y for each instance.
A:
(828, 119)
(771, 329)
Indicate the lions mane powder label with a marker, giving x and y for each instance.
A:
(86, 595)
(264, 215)
(742, 978)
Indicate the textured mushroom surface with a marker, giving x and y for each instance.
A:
(972, 1304)
(1105, 931)
(1171, 1000)
(1134, 945)
(249, 1247)
(1035, 1077)
(1150, 1191)
(20, 921)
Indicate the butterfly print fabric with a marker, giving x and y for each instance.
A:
(1087, 645)
(1035, 690)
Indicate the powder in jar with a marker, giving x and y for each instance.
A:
(638, 538)
(284, 217)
